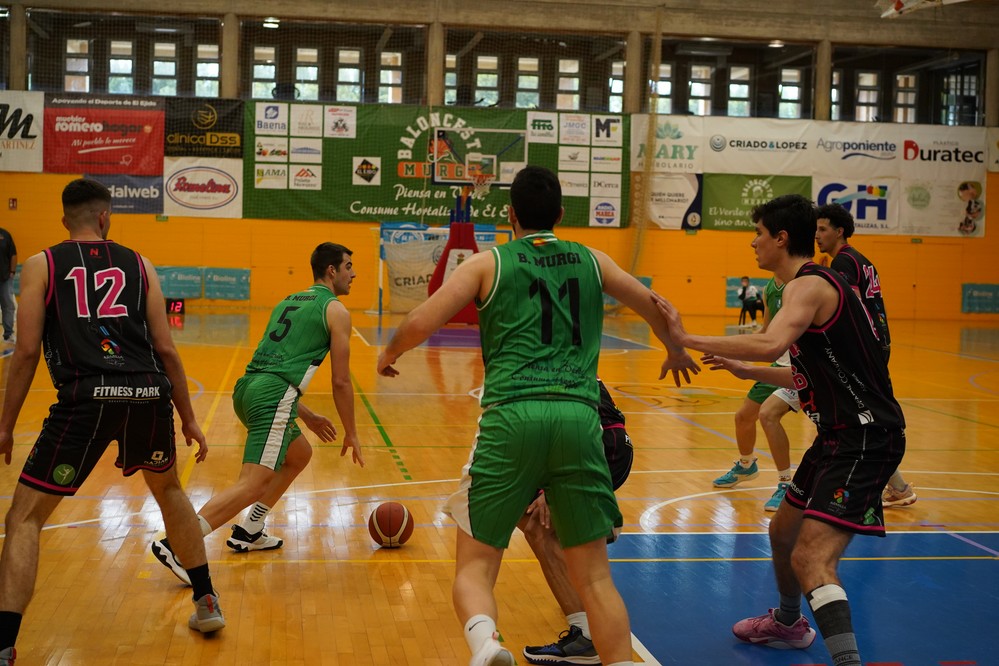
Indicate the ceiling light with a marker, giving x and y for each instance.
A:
(776, 44)
(271, 22)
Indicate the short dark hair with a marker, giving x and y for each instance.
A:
(83, 191)
(327, 254)
(536, 197)
(794, 214)
(838, 216)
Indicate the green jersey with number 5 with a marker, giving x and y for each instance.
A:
(297, 337)
(541, 322)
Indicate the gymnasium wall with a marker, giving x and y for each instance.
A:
(921, 277)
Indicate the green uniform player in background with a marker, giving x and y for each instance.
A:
(303, 329)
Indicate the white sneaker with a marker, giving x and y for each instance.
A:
(492, 654)
(242, 541)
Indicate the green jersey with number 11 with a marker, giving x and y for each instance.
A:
(297, 337)
(541, 322)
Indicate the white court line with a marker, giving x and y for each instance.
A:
(643, 652)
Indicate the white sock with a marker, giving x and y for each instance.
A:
(206, 529)
(747, 461)
(478, 630)
(784, 475)
(253, 522)
(579, 620)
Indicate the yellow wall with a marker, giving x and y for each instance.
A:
(920, 280)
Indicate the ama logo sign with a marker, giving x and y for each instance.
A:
(867, 202)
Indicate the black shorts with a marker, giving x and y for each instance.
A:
(841, 476)
(620, 454)
(77, 432)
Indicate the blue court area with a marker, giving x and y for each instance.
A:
(918, 599)
(468, 336)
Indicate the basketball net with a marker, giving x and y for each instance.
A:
(481, 183)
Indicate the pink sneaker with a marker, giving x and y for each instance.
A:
(904, 497)
(766, 630)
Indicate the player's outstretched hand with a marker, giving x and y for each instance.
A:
(192, 433)
(679, 363)
(350, 442)
(538, 510)
(320, 425)
(737, 368)
(672, 317)
(385, 362)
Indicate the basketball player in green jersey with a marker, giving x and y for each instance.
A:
(766, 403)
(541, 318)
(302, 330)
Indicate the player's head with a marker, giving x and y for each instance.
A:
(332, 262)
(536, 199)
(794, 216)
(745, 280)
(86, 204)
(834, 227)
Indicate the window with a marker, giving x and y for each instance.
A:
(738, 91)
(664, 88)
(528, 83)
(164, 68)
(307, 73)
(790, 93)
(487, 80)
(567, 97)
(836, 94)
(615, 103)
(206, 81)
(77, 66)
(699, 100)
(264, 72)
(960, 98)
(390, 78)
(905, 98)
(450, 79)
(121, 69)
(348, 75)
(868, 92)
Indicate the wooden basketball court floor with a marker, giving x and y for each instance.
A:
(693, 560)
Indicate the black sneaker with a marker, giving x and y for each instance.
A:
(164, 554)
(242, 541)
(572, 648)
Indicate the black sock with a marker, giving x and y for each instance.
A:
(201, 581)
(10, 625)
(832, 614)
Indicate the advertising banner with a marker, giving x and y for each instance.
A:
(756, 145)
(857, 150)
(180, 281)
(379, 163)
(103, 134)
(730, 198)
(980, 298)
(992, 156)
(231, 284)
(22, 117)
(134, 194)
(674, 200)
(944, 207)
(204, 127)
(203, 187)
(679, 144)
(873, 203)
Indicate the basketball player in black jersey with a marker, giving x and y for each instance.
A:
(97, 309)
(842, 380)
(834, 230)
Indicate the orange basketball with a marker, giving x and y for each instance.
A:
(390, 525)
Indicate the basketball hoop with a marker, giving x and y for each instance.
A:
(481, 183)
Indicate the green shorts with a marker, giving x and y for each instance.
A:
(268, 406)
(529, 444)
(761, 392)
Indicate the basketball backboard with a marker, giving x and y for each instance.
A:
(459, 155)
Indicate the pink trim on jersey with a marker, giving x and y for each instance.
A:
(612, 426)
(825, 326)
(135, 468)
(51, 288)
